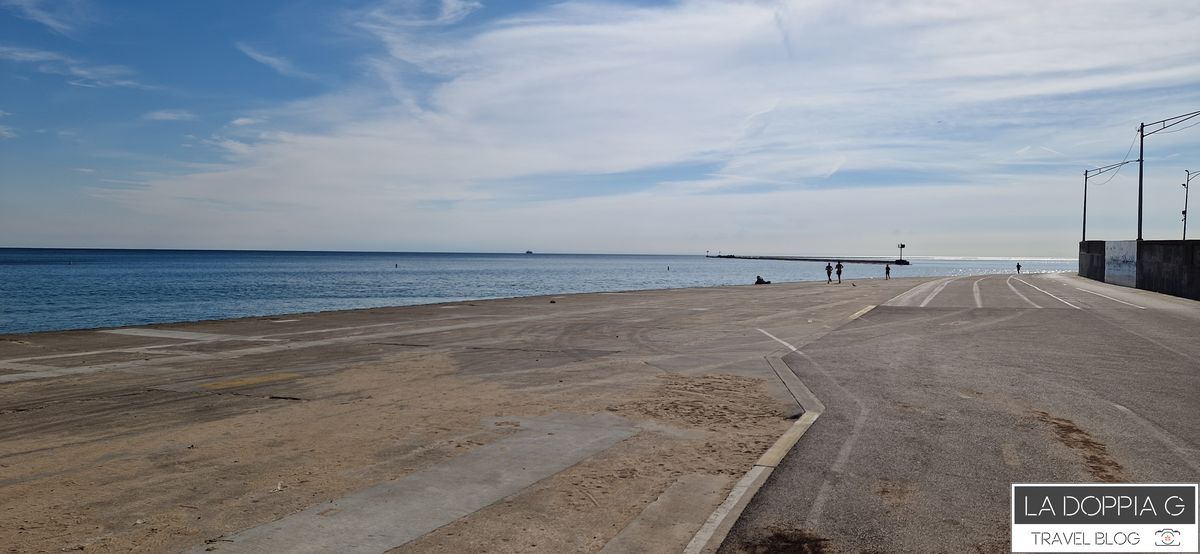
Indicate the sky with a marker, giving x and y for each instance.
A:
(958, 127)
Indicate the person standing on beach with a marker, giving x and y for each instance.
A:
(828, 272)
(887, 271)
(1018, 268)
(839, 272)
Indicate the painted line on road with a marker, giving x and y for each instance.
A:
(1188, 455)
(975, 291)
(1018, 293)
(1048, 294)
(1111, 298)
(779, 340)
(839, 464)
(937, 290)
(902, 298)
(860, 313)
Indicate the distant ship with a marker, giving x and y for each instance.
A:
(529, 251)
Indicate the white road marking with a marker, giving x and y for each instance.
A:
(839, 465)
(1111, 298)
(1188, 455)
(859, 313)
(902, 298)
(975, 290)
(1048, 294)
(779, 340)
(1018, 293)
(937, 290)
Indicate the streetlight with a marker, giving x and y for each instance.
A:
(1186, 188)
(1092, 173)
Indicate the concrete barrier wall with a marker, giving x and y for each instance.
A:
(1120, 262)
(1091, 259)
(1166, 266)
(1170, 267)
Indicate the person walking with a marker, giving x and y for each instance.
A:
(1018, 268)
(828, 272)
(839, 272)
(887, 271)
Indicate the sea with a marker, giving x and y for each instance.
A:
(59, 289)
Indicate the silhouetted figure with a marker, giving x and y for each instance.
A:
(887, 271)
(760, 281)
(828, 272)
(1018, 268)
(839, 272)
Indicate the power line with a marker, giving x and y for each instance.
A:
(1180, 129)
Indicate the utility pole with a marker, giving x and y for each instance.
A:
(1141, 166)
(1163, 125)
(1084, 236)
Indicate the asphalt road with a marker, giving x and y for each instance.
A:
(942, 397)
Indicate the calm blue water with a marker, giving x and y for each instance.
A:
(52, 289)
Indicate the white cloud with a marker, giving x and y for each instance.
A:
(280, 64)
(84, 170)
(78, 73)
(60, 16)
(169, 115)
(7, 132)
(243, 121)
(812, 124)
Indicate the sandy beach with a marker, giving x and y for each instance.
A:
(195, 436)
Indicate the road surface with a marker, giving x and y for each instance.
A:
(939, 399)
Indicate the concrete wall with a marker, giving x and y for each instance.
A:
(1091, 259)
(1120, 262)
(1170, 267)
(1166, 266)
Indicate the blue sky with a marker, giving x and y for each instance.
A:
(782, 127)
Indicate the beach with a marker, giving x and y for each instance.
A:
(171, 437)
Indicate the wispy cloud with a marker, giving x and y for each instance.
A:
(923, 104)
(169, 115)
(243, 121)
(60, 16)
(7, 132)
(280, 64)
(77, 72)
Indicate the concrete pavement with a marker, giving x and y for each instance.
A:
(938, 400)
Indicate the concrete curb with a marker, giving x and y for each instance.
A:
(713, 532)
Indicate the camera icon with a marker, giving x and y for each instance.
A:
(1166, 537)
